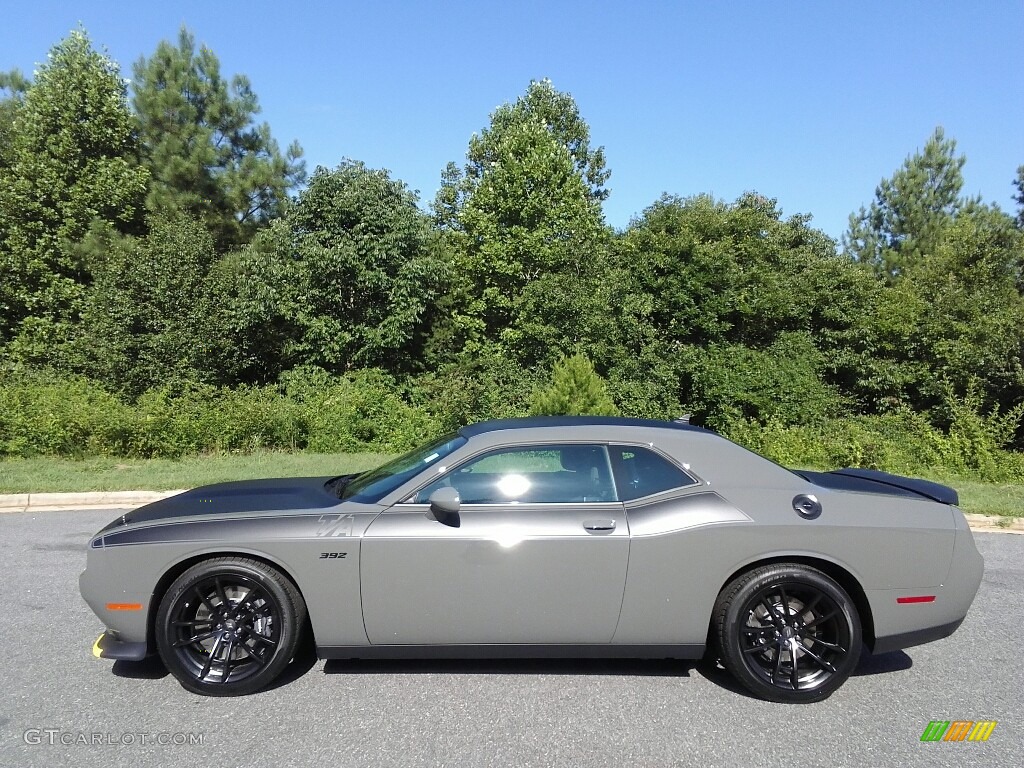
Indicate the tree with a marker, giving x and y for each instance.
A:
(207, 157)
(524, 221)
(347, 279)
(150, 319)
(575, 390)
(953, 268)
(1018, 183)
(964, 331)
(708, 296)
(910, 210)
(542, 104)
(784, 383)
(72, 167)
(16, 85)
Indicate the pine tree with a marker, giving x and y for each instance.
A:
(208, 158)
(1018, 184)
(575, 390)
(910, 210)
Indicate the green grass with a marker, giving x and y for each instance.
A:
(111, 474)
(987, 498)
(38, 475)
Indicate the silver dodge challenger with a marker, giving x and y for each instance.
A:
(542, 537)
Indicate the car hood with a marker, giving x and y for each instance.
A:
(221, 499)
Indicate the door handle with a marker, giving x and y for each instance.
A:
(599, 526)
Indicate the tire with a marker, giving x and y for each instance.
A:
(229, 626)
(769, 617)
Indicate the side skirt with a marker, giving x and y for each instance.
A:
(500, 651)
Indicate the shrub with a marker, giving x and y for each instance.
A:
(54, 415)
(41, 414)
(475, 387)
(200, 418)
(363, 411)
(782, 383)
(575, 390)
(902, 442)
(70, 416)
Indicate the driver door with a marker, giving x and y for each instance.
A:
(538, 556)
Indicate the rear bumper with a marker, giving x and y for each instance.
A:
(917, 637)
(906, 625)
(110, 646)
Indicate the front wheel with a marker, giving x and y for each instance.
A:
(787, 633)
(229, 626)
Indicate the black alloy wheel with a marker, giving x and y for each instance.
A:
(229, 626)
(788, 633)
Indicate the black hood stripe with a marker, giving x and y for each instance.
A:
(290, 526)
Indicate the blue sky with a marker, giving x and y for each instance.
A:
(810, 103)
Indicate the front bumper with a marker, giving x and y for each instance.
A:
(110, 646)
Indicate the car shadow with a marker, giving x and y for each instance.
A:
(868, 664)
(623, 667)
(715, 673)
(883, 663)
(305, 659)
(150, 668)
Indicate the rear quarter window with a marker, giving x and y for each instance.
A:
(642, 472)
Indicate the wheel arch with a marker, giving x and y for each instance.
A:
(838, 573)
(180, 566)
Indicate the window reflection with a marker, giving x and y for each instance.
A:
(548, 474)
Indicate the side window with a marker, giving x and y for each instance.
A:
(640, 472)
(543, 474)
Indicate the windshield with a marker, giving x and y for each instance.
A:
(373, 485)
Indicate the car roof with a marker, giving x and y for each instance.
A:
(533, 422)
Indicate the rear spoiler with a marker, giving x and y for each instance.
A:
(874, 481)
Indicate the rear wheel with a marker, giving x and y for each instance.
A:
(229, 626)
(787, 633)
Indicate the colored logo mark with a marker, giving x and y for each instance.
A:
(959, 730)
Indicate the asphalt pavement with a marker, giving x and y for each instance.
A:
(61, 706)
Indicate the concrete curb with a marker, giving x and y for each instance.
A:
(995, 523)
(60, 502)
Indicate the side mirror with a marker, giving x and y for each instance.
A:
(445, 504)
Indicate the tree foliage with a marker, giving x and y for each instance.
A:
(523, 219)
(1018, 184)
(16, 84)
(575, 390)
(233, 317)
(71, 164)
(149, 319)
(347, 279)
(952, 320)
(208, 158)
(910, 210)
(953, 266)
(710, 294)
